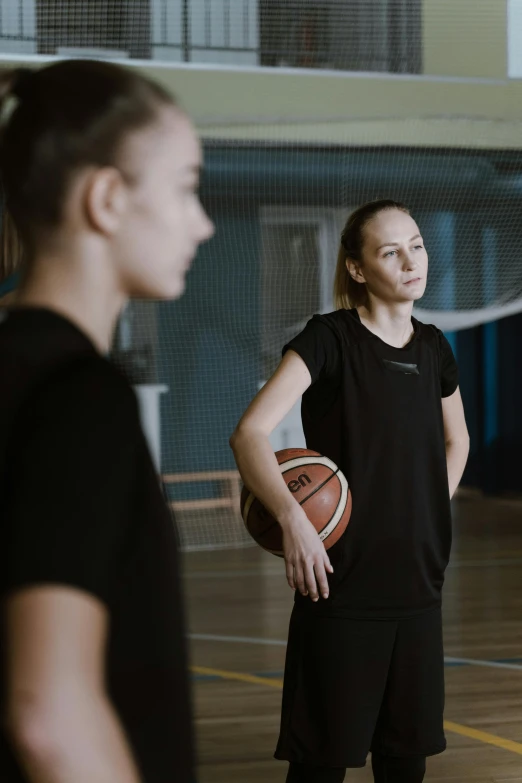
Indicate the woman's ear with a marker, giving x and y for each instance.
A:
(354, 270)
(105, 200)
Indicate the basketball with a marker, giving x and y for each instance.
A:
(320, 488)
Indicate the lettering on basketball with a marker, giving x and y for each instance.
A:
(298, 483)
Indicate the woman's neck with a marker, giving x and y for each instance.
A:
(81, 292)
(392, 323)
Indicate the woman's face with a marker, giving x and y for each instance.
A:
(394, 260)
(163, 222)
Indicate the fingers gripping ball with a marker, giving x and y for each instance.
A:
(320, 488)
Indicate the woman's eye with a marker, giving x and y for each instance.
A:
(390, 253)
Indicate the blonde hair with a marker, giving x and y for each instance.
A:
(348, 292)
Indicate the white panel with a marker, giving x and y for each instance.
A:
(174, 22)
(198, 22)
(157, 21)
(166, 22)
(149, 402)
(18, 47)
(289, 432)
(243, 58)
(515, 39)
(29, 10)
(218, 23)
(171, 54)
(91, 52)
(10, 17)
(206, 56)
(229, 57)
(238, 39)
(253, 24)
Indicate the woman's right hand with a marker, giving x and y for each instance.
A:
(307, 562)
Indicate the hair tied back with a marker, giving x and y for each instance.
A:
(15, 86)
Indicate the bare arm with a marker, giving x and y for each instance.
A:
(456, 438)
(305, 556)
(61, 723)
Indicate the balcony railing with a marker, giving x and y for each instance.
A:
(363, 35)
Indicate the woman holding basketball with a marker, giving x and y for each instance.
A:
(364, 669)
(100, 170)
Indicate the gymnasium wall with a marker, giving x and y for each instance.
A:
(230, 105)
(216, 327)
(465, 38)
(462, 40)
(217, 322)
(208, 345)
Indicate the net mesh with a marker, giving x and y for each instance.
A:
(279, 191)
(279, 210)
(373, 35)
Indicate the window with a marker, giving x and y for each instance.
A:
(348, 35)
(298, 254)
(514, 33)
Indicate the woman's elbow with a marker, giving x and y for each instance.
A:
(245, 434)
(31, 734)
(461, 442)
(232, 441)
(237, 438)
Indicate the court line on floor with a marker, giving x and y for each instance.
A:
(487, 664)
(455, 728)
(239, 676)
(209, 637)
(483, 736)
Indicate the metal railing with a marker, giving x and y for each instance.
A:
(361, 35)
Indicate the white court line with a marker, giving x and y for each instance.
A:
(209, 637)
(488, 664)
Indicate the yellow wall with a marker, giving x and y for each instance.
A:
(465, 37)
(465, 40)
(462, 38)
(271, 94)
(349, 108)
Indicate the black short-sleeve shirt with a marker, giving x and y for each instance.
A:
(376, 411)
(81, 506)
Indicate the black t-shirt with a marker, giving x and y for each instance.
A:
(376, 411)
(81, 506)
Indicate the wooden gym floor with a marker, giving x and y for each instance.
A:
(239, 605)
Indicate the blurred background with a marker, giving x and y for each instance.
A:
(307, 108)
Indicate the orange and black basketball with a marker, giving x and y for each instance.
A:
(321, 489)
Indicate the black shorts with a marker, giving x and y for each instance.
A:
(352, 686)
